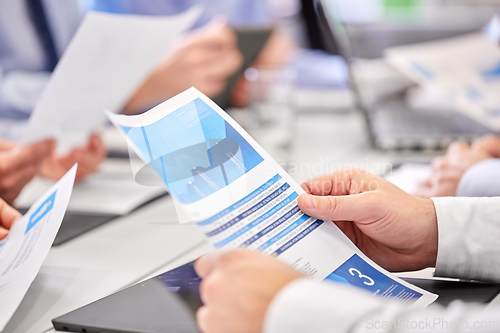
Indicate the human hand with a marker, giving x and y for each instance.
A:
(8, 215)
(18, 165)
(237, 288)
(204, 60)
(88, 158)
(449, 169)
(489, 144)
(278, 49)
(395, 229)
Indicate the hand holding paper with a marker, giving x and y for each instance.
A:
(374, 214)
(240, 197)
(18, 165)
(206, 58)
(25, 248)
(88, 158)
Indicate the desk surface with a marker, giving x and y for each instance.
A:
(149, 241)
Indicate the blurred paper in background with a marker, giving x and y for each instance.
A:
(464, 70)
(107, 60)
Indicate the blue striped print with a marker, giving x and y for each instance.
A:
(259, 220)
(284, 232)
(243, 201)
(272, 226)
(297, 238)
(250, 211)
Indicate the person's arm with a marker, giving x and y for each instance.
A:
(245, 289)
(469, 234)
(481, 180)
(325, 307)
(469, 230)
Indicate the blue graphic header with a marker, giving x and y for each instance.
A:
(41, 211)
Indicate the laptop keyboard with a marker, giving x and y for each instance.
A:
(403, 128)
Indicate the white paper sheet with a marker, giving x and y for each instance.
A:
(464, 70)
(240, 197)
(28, 243)
(107, 60)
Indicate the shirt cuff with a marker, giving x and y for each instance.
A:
(481, 180)
(468, 238)
(310, 306)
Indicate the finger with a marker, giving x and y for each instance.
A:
(3, 233)
(202, 319)
(343, 182)
(8, 215)
(424, 191)
(439, 163)
(489, 144)
(4, 145)
(216, 36)
(12, 185)
(305, 188)
(457, 146)
(21, 156)
(358, 207)
(205, 265)
(220, 67)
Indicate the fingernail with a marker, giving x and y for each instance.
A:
(310, 201)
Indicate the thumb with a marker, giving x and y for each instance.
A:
(336, 208)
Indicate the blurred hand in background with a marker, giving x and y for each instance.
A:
(448, 170)
(18, 165)
(277, 51)
(89, 158)
(8, 215)
(205, 59)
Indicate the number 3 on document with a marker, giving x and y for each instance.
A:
(369, 281)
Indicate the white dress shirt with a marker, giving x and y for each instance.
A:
(22, 57)
(469, 248)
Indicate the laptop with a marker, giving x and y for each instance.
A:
(168, 303)
(391, 123)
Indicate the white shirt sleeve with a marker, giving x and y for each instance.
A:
(324, 307)
(469, 229)
(469, 238)
(481, 180)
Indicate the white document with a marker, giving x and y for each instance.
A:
(106, 62)
(239, 196)
(464, 70)
(23, 251)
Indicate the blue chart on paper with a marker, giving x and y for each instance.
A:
(195, 151)
(358, 273)
(41, 211)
